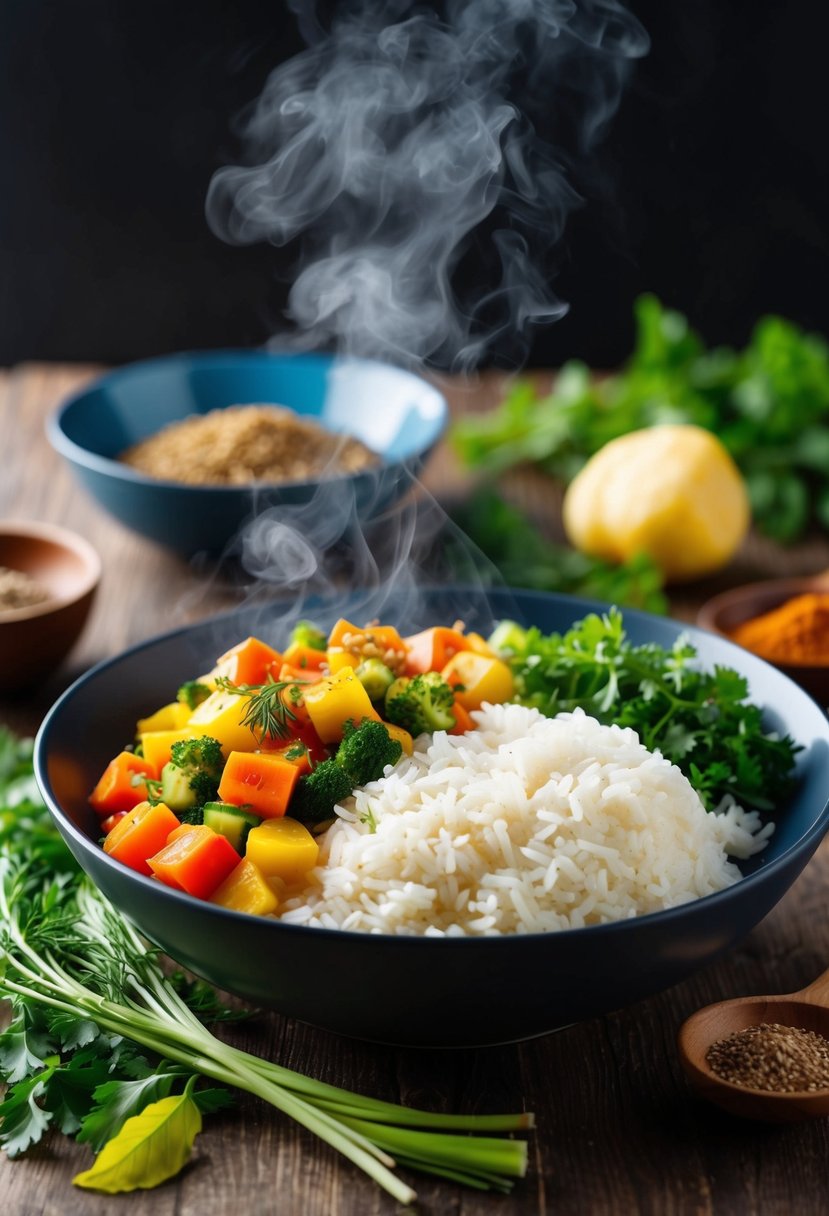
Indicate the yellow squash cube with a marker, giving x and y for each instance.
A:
(337, 659)
(332, 701)
(480, 645)
(157, 745)
(220, 716)
(482, 679)
(246, 890)
(282, 848)
(170, 717)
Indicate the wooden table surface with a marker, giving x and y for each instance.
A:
(618, 1130)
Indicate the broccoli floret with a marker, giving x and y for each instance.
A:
(375, 677)
(366, 750)
(201, 761)
(304, 633)
(192, 693)
(193, 816)
(317, 794)
(421, 703)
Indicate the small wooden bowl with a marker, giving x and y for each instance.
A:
(726, 611)
(34, 640)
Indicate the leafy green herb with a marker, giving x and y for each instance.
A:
(369, 819)
(152, 786)
(266, 712)
(99, 1036)
(700, 720)
(117, 1101)
(524, 558)
(769, 404)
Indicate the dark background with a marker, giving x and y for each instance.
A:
(711, 189)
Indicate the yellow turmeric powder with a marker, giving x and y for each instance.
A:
(796, 632)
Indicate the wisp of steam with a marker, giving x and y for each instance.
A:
(305, 557)
(399, 157)
(401, 144)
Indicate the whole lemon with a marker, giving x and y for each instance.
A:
(670, 491)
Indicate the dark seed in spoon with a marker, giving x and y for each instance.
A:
(772, 1057)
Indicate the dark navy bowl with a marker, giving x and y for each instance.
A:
(408, 990)
(395, 413)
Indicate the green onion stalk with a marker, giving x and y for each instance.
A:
(64, 946)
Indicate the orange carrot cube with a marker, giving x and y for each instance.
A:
(140, 834)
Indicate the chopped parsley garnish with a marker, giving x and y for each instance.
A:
(700, 720)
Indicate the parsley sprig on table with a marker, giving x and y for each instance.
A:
(100, 1036)
(700, 720)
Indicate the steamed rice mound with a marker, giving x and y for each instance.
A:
(525, 825)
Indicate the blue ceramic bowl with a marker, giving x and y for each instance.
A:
(408, 990)
(395, 413)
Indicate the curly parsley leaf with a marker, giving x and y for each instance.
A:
(700, 720)
(25, 1044)
(117, 1101)
(23, 1119)
(68, 1091)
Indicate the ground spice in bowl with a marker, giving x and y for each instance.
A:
(772, 1057)
(243, 444)
(19, 590)
(795, 632)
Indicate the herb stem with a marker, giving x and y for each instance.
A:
(65, 948)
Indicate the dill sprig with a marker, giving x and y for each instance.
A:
(267, 711)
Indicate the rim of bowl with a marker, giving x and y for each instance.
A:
(709, 612)
(68, 448)
(63, 538)
(814, 833)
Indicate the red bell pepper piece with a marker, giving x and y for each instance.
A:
(433, 648)
(109, 823)
(250, 662)
(196, 861)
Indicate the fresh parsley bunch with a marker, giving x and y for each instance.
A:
(769, 404)
(700, 720)
(105, 1046)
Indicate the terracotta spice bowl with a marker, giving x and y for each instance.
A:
(35, 639)
(726, 611)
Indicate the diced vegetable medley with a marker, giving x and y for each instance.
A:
(226, 787)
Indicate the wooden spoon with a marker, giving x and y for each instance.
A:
(807, 1009)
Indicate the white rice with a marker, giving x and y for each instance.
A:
(524, 825)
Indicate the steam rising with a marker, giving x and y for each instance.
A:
(400, 157)
(400, 144)
(310, 554)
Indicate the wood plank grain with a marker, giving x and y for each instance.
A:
(619, 1131)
